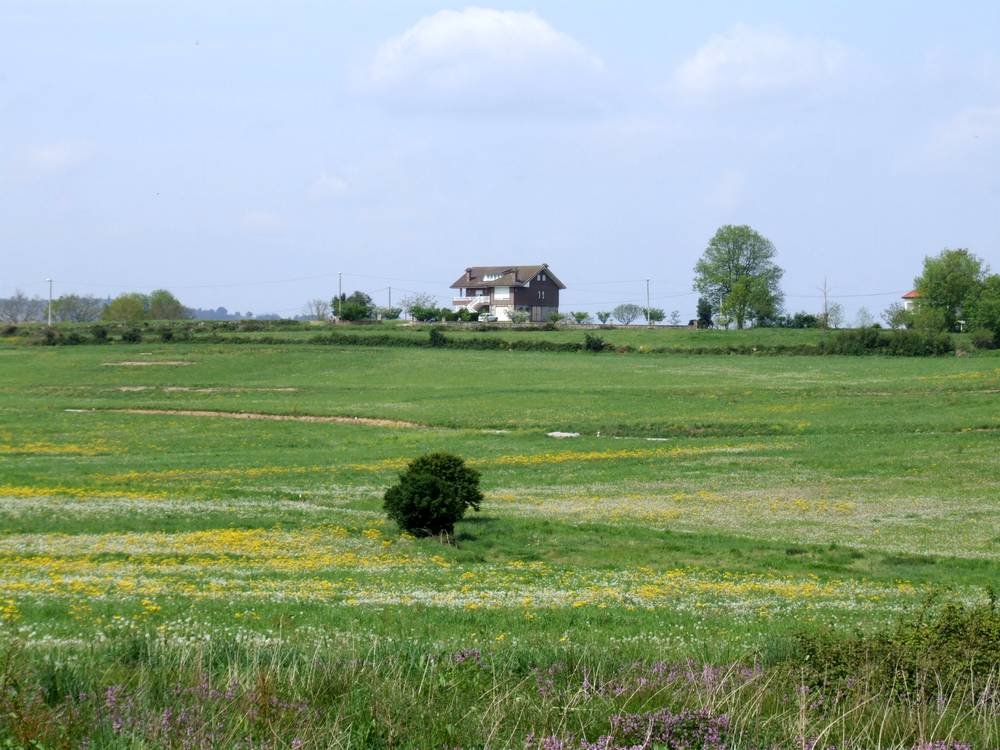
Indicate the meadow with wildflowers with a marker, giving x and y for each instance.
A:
(171, 577)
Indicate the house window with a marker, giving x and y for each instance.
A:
(492, 276)
(541, 277)
(541, 294)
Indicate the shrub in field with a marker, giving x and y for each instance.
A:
(936, 644)
(593, 343)
(100, 334)
(437, 337)
(983, 339)
(131, 335)
(433, 494)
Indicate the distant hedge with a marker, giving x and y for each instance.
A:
(901, 343)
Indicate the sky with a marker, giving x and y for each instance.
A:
(242, 154)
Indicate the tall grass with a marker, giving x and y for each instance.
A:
(145, 691)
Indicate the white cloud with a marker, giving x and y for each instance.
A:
(327, 185)
(55, 157)
(747, 60)
(479, 59)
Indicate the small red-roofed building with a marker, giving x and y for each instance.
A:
(910, 299)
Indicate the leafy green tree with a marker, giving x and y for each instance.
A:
(162, 305)
(604, 317)
(985, 312)
(581, 317)
(704, 313)
(738, 277)
(432, 494)
(896, 316)
(950, 283)
(130, 307)
(653, 314)
(626, 313)
(357, 306)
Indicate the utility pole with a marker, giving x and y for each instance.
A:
(340, 293)
(826, 307)
(50, 301)
(648, 321)
(390, 298)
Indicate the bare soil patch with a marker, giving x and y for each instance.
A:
(202, 389)
(372, 422)
(149, 363)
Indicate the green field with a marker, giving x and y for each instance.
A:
(711, 509)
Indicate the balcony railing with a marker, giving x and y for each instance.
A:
(471, 303)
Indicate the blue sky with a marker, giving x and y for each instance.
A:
(242, 154)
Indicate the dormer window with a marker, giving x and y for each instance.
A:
(492, 276)
(541, 277)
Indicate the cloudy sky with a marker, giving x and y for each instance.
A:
(242, 154)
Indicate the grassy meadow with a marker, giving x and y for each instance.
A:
(193, 551)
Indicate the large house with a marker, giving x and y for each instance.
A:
(500, 290)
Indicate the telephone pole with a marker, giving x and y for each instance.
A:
(50, 301)
(826, 307)
(390, 298)
(649, 322)
(340, 293)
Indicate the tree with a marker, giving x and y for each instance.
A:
(604, 317)
(749, 298)
(318, 309)
(417, 300)
(389, 313)
(517, 317)
(951, 281)
(581, 317)
(432, 494)
(20, 308)
(653, 314)
(74, 308)
(739, 261)
(626, 313)
(896, 316)
(704, 313)
(833, 317)
(130, 307)
(357, 306)
(675, 317)
(162, 305)
(864, 318)
(986, 311)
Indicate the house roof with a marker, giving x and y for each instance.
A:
(505, 276)
(912, 295)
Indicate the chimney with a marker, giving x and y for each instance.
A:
(468, 274)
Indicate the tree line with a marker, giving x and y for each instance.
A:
(131, 307)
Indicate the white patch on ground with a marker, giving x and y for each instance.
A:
(561, 435)
(150, 363)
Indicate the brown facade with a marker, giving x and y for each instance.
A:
(530, 289)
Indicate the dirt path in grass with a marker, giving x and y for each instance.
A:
(395, 423)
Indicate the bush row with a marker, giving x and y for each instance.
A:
(908, 343)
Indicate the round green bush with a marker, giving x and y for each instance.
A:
(432, 494)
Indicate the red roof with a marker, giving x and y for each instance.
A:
(912, 295)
